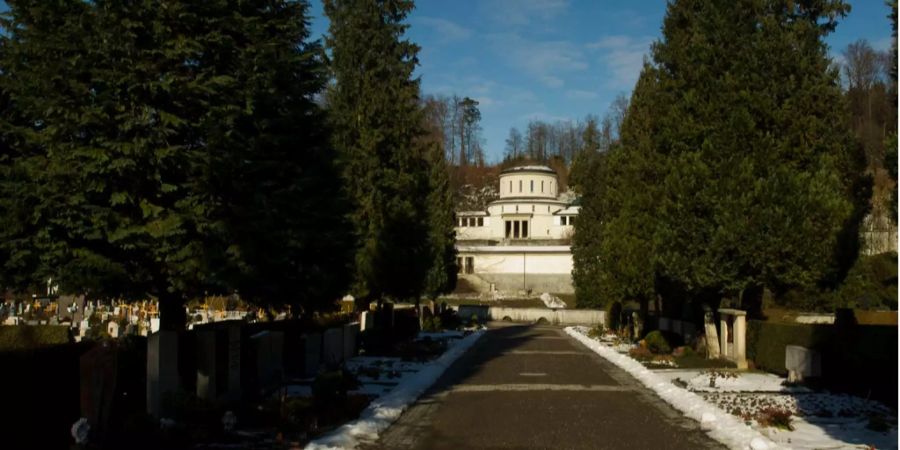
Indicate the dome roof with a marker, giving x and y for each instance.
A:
(517, 169)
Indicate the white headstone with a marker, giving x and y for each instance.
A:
(801, 362)
(154, 324)
(113, 329)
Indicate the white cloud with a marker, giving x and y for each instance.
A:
(523, 12)
(544, 60)
(623, 56)
(446, 30)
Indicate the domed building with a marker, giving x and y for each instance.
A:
(522, 241)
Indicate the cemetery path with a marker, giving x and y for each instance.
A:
(534, 387)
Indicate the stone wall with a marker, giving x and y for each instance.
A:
(589, 317)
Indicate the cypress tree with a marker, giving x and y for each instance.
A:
(375, 114)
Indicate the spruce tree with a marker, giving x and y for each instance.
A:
(374, 111)
(442, 271)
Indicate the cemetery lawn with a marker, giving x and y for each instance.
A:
(740, 408)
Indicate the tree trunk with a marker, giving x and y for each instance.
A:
(171, 312)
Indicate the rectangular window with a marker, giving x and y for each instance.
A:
(532, 185)
(524, 229)
(510, 186)
(508, 229)
(542, 191)
(471, 221)
(520, 185)
(532, 208)
(470, 264)
(480, 222)
(459, 265)
(516, 229)
(572, 220)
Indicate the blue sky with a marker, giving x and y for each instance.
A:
(554, 59)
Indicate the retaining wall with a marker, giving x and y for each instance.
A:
(588, 317)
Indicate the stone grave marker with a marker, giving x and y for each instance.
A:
(712, 336)
(162, 370)
(366, 321)
(269, 357)
(207, 367)
(333, 347)
(351, 331)
(98, 379)
(801, 363)
(113, 329)
(312, 353)
(234, 363)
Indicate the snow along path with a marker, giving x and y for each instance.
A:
(718, 424)
(385, 410)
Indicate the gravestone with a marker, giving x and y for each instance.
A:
(366, 321)
(64, 307)
(351, 330)
(333, 346)
(801, 363)
(234, 363)
(734, 321)
(269, 357)
(98, 378)
(712, 337)
(154, 324)
(162, 370)
(312, 353)
(207, 367)
(113, 329)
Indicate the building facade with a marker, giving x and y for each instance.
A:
(521, 242)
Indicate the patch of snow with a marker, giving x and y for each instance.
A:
(383, 411)
(820, 420)
(720, 425)
(552, 301)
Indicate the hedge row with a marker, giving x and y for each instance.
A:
(858, 359)
(30, 337)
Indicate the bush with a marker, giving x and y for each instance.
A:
(331, 387)
(846, 352)
(30, 337)
(657, 343)
(432, 324)
(613, 315)
(870, 284)
(772, 417)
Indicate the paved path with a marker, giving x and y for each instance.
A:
(535, 387)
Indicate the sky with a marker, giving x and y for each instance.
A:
(555, 59)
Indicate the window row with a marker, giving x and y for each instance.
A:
(516, 229)
(530, 185)
(567, 220)
(471, 221)
(465, 264)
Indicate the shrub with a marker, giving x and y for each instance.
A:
(597, 331)
(432, 324)
(330, 387)
(772, 417)
(870, 284)
(657, 343)
(30, 337)
(613, 315)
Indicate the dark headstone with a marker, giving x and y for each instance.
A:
(98, 387)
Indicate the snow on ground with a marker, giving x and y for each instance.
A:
(384, 410)
(552, 301)
(820, 420)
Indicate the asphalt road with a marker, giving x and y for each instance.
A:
(534, 387)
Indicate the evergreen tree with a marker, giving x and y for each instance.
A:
(155, 144)
(441, 277)
(737, 169)
(376, 118)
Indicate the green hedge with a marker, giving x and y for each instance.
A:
(858, 359)
(30, 337)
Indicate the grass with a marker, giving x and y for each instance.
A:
(694, 361)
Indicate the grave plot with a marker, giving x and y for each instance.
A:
(753, 409)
